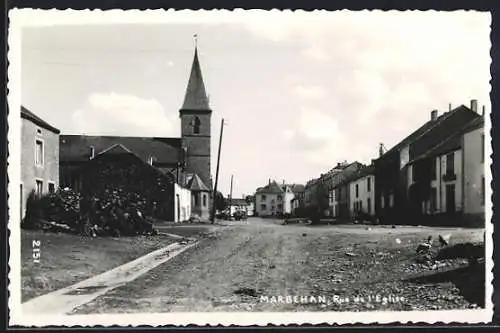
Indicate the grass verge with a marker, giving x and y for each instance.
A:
(67, 259)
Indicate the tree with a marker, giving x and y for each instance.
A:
(249, 198)
(220, 201)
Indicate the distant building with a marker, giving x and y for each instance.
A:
(362, 192)
(394, 200)
(298, 202)
(274, 200)
(39, 156)
(240, 205)
(184, 160)
(339, 192)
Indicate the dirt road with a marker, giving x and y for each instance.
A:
(261, 265)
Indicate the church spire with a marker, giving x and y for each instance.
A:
(196, 96)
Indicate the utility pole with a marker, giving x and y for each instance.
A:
(231, 195)
(217, 171)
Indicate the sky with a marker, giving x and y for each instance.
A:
(299, 91)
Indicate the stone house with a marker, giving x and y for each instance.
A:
(392, 193)
(274, 200)
(447, 181)
(339, 191)
(362, 192)
(39, 157)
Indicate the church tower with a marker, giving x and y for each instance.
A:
(196, 117)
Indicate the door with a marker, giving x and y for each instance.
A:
(450, 198)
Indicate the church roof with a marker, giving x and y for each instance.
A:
(196, 184)
(196, 97)
(76, 148)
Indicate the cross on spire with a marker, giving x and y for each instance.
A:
(195, 36)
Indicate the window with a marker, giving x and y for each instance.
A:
(280, 197)
(52, 187)
(357, 190)
(196, 199)
(263, 197)
(382, 201)
(39, 152)
(369, 204)
(434, 165)
(483, 191)
(482, 148)
(450, 164)
(196, 125)
(263, 207)
(280, 206)
(391, 200)
(368, 184)
(361, 206)
(204, 200)
(39, 187)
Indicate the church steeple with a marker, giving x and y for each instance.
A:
(196, 96)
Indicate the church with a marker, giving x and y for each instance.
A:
(179, 167)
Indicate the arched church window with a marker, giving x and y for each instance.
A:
(196, 125)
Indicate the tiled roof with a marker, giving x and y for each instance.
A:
(76, 148)
(196, 184)
(453, 123)
(452, 142)
(428, 126)
(27, 114)
(196, 96)
(272, 188)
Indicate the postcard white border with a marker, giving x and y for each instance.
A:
(20, 18)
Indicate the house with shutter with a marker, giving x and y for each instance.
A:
(403, 173)
(447, 182)
(183, 161)
(39, 157)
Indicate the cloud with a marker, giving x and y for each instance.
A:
(309, 92)
(112, 113)
(170, 63)
(316, 135)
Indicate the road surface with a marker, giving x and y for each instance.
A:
(262, 265)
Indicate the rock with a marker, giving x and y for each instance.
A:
(368, 228)
(423, 247)
(393, 227)
(350, 254)
(304, 234)
(398, 241)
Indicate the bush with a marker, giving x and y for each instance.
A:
(62, 206)
(33, 212)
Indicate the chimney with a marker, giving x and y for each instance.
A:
(283, 182)
(484, 110)
(338, 164)
(434, 115)
(269, 181)
(92, 152)
(449, 107)
(381, 149)
(473, 105)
